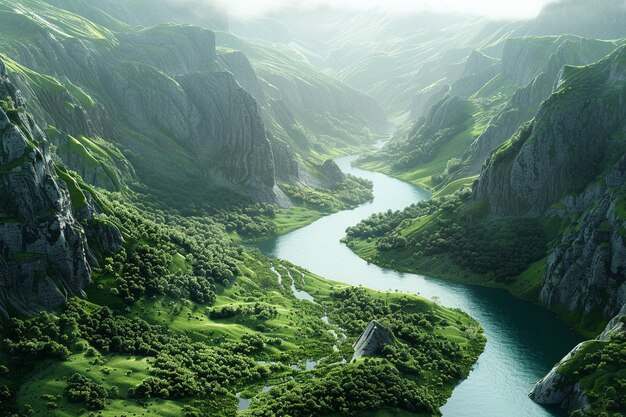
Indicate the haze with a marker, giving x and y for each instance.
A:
(490, 8)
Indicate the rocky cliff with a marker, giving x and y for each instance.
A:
(159, 93)
(478, 70)
(569, 162)
(43, 250)
(561, 151)
(372, 340)
(585, 272)
(169, 105)
(543, 59)
(563, 387)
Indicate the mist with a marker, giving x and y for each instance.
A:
(496, 9)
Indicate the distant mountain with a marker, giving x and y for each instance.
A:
(602, 19)
(167, 108)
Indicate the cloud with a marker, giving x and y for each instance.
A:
(515, 9)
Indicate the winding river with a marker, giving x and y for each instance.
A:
(524, 340)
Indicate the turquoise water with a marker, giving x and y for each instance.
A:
(524, 340)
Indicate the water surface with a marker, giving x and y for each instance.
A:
(524, 340)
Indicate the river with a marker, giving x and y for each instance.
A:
(523, 340)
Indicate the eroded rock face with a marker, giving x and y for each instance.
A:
(562, 150)
(332, 172)
(479, 69)
(587, 269)
(373, 340)
(562, 164)
(523, 105)
(43, 250)
(166, 100)
(554, 389)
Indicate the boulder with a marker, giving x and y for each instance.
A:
(373, 340)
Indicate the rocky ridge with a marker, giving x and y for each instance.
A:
(556, 389)
(43, 249)
(549, 55)
(569, 162)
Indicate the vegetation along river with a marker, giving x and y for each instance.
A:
(524, 340)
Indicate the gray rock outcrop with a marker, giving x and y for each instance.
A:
(555, 389)
(373, 339)
(561, 150)
(561, 164)
(549, 55)
(43, 249)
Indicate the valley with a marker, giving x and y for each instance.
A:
(300, 209)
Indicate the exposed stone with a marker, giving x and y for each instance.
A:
(42, 246)
(544, 59)
(550, 390)
(427, 99)
(571, 131)
(373, 340)
(332, 172)
(553, 389)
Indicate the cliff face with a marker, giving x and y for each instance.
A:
(165, 99)
(160, 93)
(43, 251)
(230, 139)
(479, 69)
(569, 162)
(562, 149)
(543, 59)
(587, 269)
(558, 387)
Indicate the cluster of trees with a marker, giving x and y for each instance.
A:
(7, 104)
(81, 389)
(248, 221)
(180, 367)
(452, 166)
(349, 193)
(419, 351)
(144, 265)
(381, 224)
(501, 247)
(257, 311)
(41, 337)
(371, 385)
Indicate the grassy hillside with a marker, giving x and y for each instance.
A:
(178, 313)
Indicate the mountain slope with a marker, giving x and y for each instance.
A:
(545, 219)
(503, 93)
(112, 79)
(44, 257)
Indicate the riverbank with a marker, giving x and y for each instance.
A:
(524, 341)
(525, 287)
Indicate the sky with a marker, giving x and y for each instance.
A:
(507, 9)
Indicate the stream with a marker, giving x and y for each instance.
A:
(523, 340)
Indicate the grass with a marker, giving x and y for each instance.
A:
(290, 219)
(298, 325)
(122, 372)
(39, 16)
(76, 193)
(422, 176)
